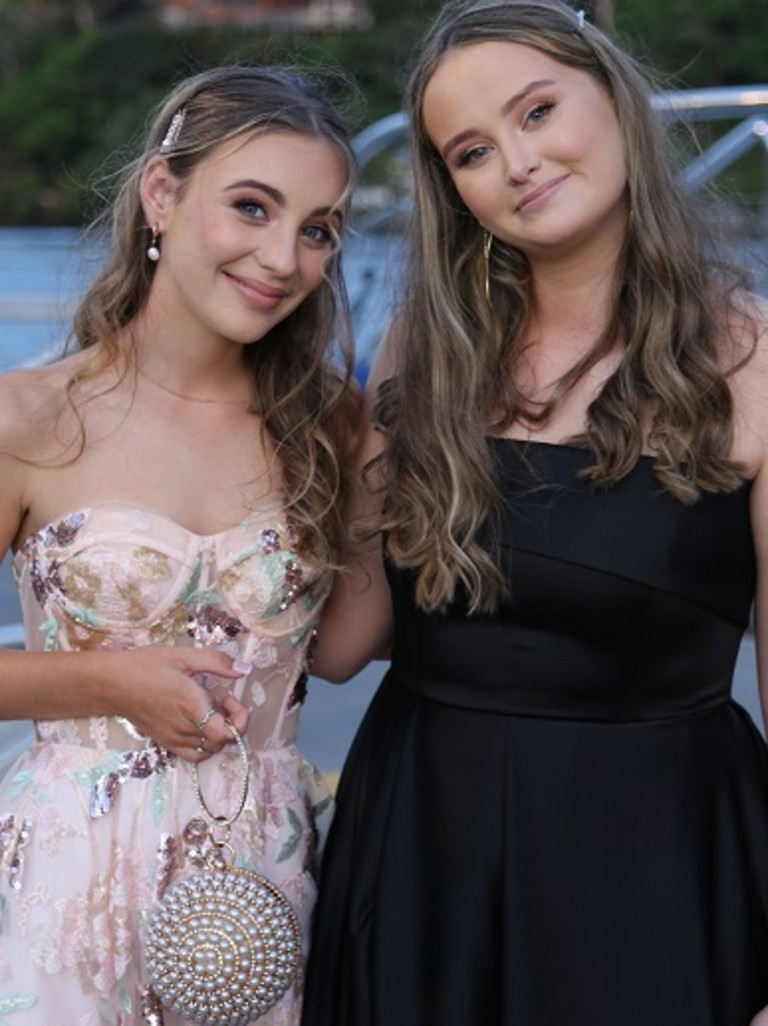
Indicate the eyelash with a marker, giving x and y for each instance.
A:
(539, 109)
(470, 156)
(248, 208)
(327, 234)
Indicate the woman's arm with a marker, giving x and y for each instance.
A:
(153, 687)
(750, 391)
(356, 622)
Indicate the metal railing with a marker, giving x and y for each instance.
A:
(747, 105)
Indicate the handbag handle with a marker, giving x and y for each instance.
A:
(220, 822)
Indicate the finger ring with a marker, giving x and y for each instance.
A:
(204, 722)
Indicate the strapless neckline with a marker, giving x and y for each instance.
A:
(268, 510)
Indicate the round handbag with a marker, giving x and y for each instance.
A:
(223, 945)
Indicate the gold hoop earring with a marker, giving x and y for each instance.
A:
(487, 243)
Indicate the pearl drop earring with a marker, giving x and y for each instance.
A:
(153, 251)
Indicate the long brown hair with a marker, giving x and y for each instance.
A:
(671, 303)
(302, 368)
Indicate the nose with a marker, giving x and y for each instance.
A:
(277, 250)
(520, 159)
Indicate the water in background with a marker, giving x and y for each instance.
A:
(44, 270)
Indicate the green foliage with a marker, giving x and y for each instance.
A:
(699, 42)
(70, 99)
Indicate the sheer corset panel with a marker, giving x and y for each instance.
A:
(114, 576)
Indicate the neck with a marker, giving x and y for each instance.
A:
(230, 400)
(573, 306)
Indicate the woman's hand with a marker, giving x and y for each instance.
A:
(155, 689)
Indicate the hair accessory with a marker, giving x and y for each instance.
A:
(153, 250)
(171, 137)
(224, 945)
(580, 20)
(487, 244)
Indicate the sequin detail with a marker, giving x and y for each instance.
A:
(14, 837)
(294, 582)
(209, 625)
(44, 574)
(140, 764)
(167, 850)
(196, 837)
(134, 577)
(270, 541)
(151, 1008)
(63, 532)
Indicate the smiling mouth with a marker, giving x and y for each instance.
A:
(257, 293)
(541, 192)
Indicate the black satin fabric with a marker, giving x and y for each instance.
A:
(557, 816)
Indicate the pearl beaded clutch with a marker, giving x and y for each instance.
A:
(224, 945)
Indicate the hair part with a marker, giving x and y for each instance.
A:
(672, 305)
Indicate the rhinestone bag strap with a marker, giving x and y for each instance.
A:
(221, 826)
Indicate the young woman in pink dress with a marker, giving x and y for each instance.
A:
(170, 498)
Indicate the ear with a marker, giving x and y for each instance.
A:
(158, 192)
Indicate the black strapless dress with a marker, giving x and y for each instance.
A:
(557, 816)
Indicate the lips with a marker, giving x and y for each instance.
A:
(256, 293)
(541, 194)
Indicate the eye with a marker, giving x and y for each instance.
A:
(318, 233)
(538, 114)
(250, 208)
(472, 156)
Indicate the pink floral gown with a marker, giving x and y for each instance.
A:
(95, 821)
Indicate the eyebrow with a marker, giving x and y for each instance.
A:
(279, 198)
(510, 105)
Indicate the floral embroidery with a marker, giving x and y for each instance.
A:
(14, 837)
(167, 849)
(45, 579)
(209, 625)
(89, 886)
(293, 841)
(63, 532)
(294, 579)
(140, 764)
(10, 1003)
(91, 933)
(270, 541)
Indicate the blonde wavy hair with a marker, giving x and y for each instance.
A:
(671, 303)
(302, 368)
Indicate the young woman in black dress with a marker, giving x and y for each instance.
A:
(554, 812)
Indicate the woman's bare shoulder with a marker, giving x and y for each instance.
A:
(31, 398)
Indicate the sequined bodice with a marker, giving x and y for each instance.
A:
(115, 576)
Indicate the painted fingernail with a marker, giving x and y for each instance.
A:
(242, 668)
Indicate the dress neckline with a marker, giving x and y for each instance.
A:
(133, 508)
(524, 443)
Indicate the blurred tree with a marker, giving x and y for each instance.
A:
(70, 96)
